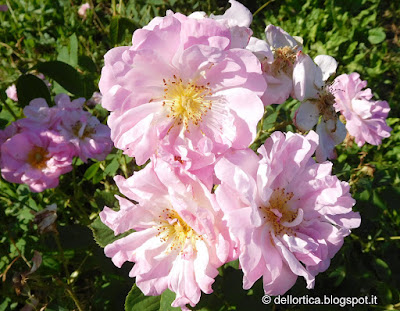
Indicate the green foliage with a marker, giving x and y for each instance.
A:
(68, 77)
(104, 235)
(136, 301)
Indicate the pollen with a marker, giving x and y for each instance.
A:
(325, 102)
(277, 213)
(186, 102)
(174, 230)
(284, 58)
(38, 157)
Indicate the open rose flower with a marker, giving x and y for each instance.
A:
(365, 118)
(278, 57)
(180, 81)
(36, 158)
(80, 128)
(180, 239)
(289, 214)
(317, 99)
(90, 138)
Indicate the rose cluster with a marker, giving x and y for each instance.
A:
(188, 95)
(38, 149)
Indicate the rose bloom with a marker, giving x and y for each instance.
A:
(80, 128)
(90, 138)
(11, 92)
(317, 100)
(278, 55)
(82, 9)
(365, 118)
(180, 239)
(180, 82)
(288, 213)
(38, 113)
(237, 19)
(36, 158)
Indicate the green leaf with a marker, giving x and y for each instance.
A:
(376, 35)
(86, 63)
(91, 171)
(67, 77)
(137, 301)
(234, 264)
(382, 269)
(73, 50)
(30, 87)
(167, 297)
(69, 54)
(118, 27)
(270, 120)
(112, 168)
(104, 235)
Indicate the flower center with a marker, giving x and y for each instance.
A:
(278, 213)
(284, 58)
(37, 157)
(173, 228)
(325, 103)
(186, 102)
(82, 130)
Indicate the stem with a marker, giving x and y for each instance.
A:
(97, 17)
(120, 7)
(124, 166)
(71, 294)
(74, 179)
(4, 274)
(11, 48)
(262, 7)
(10, 110)
(389, 238)
(75, 299)
(114, 7)
(19, 252)
(61, 250)
(12, 12)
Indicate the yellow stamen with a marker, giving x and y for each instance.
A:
(186, 102)
(173, 228)
(278, 211)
